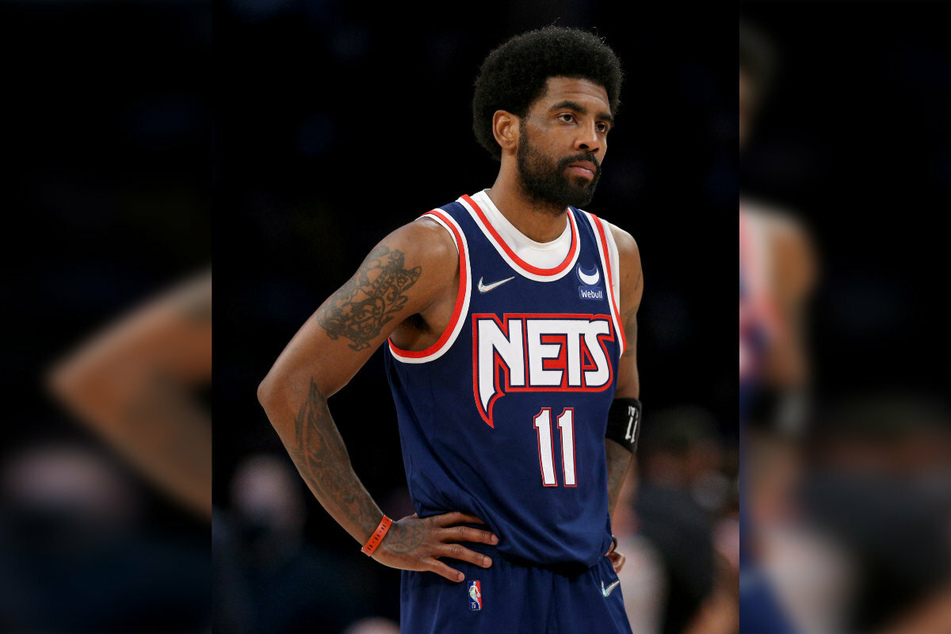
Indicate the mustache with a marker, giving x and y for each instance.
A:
(584, 156)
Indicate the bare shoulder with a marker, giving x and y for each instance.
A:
(626, 245)
(782, 226)
(423, 241)
(413, 266)
(629, 256)
(629, 253)
(789, 242)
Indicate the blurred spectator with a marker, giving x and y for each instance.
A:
(292, 587)
(675, 581)
(877, 482)
(778, 273)
(75, 558)
(777, 278)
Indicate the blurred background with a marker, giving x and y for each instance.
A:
(338, 122)
(853, 143)
(107, 203)
(282, 140)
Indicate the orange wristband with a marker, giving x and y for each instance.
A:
(377, 536)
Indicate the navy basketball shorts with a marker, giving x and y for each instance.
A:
(511, 597)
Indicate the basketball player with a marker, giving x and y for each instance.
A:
(508, 323)
(776, 277)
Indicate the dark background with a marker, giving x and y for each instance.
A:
(856, 141)
(106, 132)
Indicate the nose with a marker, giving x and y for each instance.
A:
(588, 139)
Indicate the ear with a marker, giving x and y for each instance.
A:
(505, 127)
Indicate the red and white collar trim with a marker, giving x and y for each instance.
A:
(528, 270)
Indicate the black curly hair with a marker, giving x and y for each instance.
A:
(514, 74)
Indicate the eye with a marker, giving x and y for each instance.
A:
(567, 117)
(603, 127)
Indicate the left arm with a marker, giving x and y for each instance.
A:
(619, 458)
(628, 384)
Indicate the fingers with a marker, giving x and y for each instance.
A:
(455, 517)
(448, 522)
(443, 570)
(460, 552)
(435, 538)
(617, 560)
(467, 534)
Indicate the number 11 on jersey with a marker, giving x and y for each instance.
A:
(546, 450)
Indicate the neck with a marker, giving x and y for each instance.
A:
(536, 220)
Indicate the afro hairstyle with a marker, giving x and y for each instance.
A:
(514, 75)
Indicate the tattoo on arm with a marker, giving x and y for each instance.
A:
(360, 309)
(323, 462)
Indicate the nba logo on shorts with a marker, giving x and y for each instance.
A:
(475, 595)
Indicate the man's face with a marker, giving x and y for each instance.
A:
(562, 142)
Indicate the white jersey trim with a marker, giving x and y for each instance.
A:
(461, 307)
(538, 275)
(610, 261)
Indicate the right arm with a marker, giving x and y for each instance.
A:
(133, 384)
(407, 274)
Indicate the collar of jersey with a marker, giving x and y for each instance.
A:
(509, 255)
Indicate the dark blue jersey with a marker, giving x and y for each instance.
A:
(504, 416)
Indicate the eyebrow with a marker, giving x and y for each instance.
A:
(574, 105)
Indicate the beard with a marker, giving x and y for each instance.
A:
(545, 181)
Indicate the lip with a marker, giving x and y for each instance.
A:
(583, 168)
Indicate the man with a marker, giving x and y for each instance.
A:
(776, 278)
(777, 274)
(508, 319)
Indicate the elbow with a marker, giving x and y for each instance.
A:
(268, 392)
(57, 382)
(275, 394)
(69, 385)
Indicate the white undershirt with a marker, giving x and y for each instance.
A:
(544, 255)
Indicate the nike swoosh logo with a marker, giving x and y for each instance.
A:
(485, 288)
(610, 588)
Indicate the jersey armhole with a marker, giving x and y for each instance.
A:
(461, 306)
(610, 258)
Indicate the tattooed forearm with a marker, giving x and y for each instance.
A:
(322, 460)
(360, 309)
